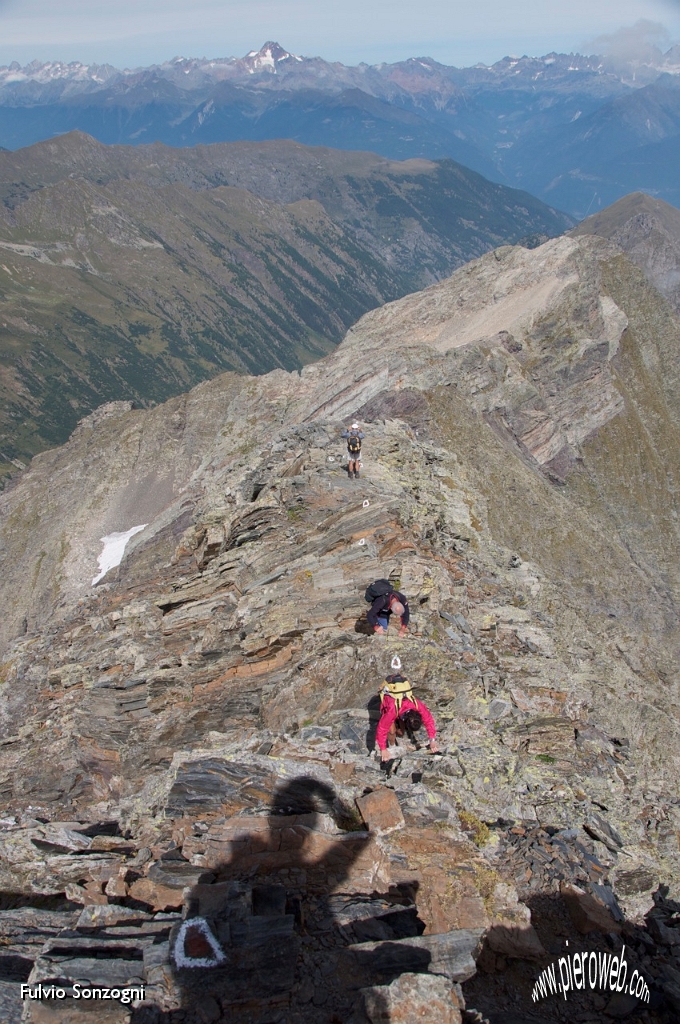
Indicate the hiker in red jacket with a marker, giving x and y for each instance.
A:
(401, 713)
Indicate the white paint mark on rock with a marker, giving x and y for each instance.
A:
(197, 931)
(114, 548)
(366, 504)
(361, 542)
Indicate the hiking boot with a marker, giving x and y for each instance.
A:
(391, 767)
(356, 474)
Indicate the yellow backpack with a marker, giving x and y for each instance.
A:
(399, 689)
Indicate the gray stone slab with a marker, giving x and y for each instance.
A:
(178, 874)
(25, 929)
(156, 954)
(106, 945)
(97, 971)
(230, 900)
(208, 783)
(269, 900)
(11, 1004)
(266, 971)
(256, 931)
(600, 829)
(451, 954)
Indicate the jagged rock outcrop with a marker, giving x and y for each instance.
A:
(520, 475)
(648, 231)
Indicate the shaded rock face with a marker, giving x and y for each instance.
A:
(192, 737)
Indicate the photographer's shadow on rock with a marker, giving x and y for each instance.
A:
(275, 937)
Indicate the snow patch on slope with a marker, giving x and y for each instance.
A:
(114, 548)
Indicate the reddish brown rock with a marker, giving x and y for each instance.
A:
(81, 894)
(511, 933)
(94, 887)
(380, 810)
(515, 940)
(116, 887)
(471, 913)
(160, 897)
(411, 998)
(342, 772)
(587, 914)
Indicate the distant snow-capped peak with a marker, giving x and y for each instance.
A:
(268, 57)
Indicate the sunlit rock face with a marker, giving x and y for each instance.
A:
(202, 717)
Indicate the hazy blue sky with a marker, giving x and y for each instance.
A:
(135, 32)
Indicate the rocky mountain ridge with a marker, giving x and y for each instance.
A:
(519, 474)
(136, 273)
(648, 230)
(273, 60)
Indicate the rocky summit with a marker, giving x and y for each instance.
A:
(192, 808)
(648, 230)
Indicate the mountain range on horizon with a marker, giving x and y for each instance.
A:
(577, 131)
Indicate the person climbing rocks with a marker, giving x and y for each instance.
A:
(401, 713)
(384, 606)
(354, 436)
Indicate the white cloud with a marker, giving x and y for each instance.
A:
(642, 40)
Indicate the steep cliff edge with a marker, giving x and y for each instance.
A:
(520, 476)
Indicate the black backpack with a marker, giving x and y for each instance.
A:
(353, 443)
(378, 589)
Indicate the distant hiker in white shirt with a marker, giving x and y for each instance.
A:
(354, 436)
